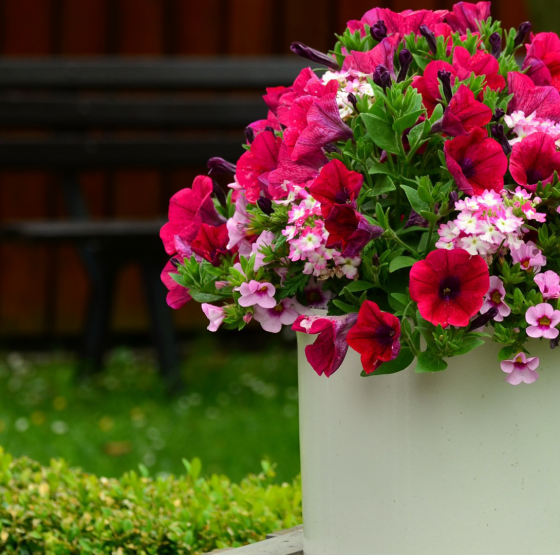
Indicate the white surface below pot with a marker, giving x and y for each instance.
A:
(454, 463)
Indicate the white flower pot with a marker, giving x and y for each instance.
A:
(454, 463)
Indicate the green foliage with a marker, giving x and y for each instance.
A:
(57, 510)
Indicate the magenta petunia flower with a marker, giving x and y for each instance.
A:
(534, 159)
(365, 62)
(329, 349)
(529, 256)
(464, 113)
(530, 99)
(349, 231)
(542, 320)
(255, 165)
(188, 210)
(211, 243)
(449, 286)
(466, 16)
(177, 295)
(542, 63)
(324, 126)
(549, 284)
(215, 314)
(521, 369)
(476, 162)
(480, 63)
(257, 293)
(376, 336)
(336, 185)
(272, 319)
(495, 299)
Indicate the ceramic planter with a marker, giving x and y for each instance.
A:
(454, 463)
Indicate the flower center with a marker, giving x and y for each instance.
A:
(468, 167)
(279, 307)
(526, 263)
(449, 288)
(496, 297)
(534, 176)
(544, 321)
(313, 296)
(263, 289)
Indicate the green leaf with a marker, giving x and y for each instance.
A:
(381, 133)
(401, 298)
(429, 362)
(430, 216)
(345, 307)
(357, 286)
(437, 114)
(506, 353)
(412, 195)
(378, 168)
(407, 121)
(467, 345)
(415, 135)
(196, 467)
(402, 362)
(200, 297)
(401, 262)
(383, 184)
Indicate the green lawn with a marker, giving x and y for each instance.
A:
(238, 408)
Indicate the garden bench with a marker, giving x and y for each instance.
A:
(81, 108)
(285, 542)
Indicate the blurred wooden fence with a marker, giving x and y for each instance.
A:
(43, 290)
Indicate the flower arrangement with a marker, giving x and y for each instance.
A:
(403, 202)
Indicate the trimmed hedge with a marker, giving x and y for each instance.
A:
(56, 510)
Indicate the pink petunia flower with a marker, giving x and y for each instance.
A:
(521, 369)
(329, 349)
(529, 98)
(495, 299)
(272, 319)
(542, 320)
(543, 60)
(257, 293)
(529, 256)
(549, 284)
(466, 16)
(215, 314)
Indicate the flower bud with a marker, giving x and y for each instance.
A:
(249, 135)
(175, 262)
(498, 114)
(379, 30)
(483, 319)
(381, 77)
(495, 41)
(522, 32)
(219, 166)
(500, 136)
(405, 59)
(219, 193)
(265, 204)
(247, 317)
(353, 100)
(445, 78)
(555, 342)
(430, 38)
(314, 55)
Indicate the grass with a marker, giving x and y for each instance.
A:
(239, 407)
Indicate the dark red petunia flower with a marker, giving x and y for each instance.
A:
(329, 349)
(211, 242)
(273, 96)
(534, 159)
(255, 165)
(529, 98)
(336, 184)
(366, 62)
(296, 173)
(376, 336)
(464, 113)
(271, 122)
(177, 295)
(349, 231)
(399, 24)
(476, 162)
(466, 15)
(480, 63)
(188, 210)
(542, 63)
(428, 84)
(449, 286)
(324, 126)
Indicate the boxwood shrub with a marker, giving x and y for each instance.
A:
(57, 510)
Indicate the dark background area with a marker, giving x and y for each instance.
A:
(43, 289)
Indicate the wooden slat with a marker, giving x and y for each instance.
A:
(60, 153)
(119, 73)
(140, 27)
(290, 543)
(195, 39)
(27, 27)
(252, 27)
(162, 112)
(83, 27)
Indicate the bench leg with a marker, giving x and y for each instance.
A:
(98, 319)
(163, 330)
